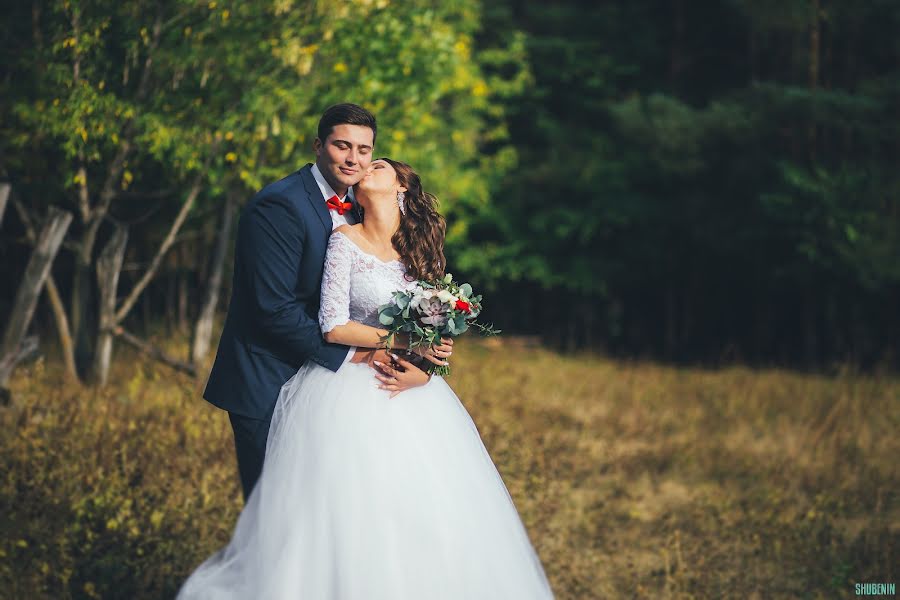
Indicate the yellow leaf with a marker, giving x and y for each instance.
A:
(340, 68)
(230, 157)
(156, 519)
(229, 136)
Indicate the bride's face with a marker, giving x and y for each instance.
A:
(380, 180)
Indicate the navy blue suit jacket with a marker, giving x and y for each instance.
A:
(272, 326)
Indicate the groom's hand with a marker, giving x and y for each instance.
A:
(369, 356)
(399, 375)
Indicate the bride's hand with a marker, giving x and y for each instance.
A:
(437, 354)
(399, 377)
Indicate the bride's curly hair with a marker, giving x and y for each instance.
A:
(420, 238)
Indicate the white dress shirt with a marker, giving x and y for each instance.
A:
(348, 218)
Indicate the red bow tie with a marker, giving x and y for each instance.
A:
(334, 203)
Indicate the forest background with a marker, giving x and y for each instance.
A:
(709, 181)
(704, 184)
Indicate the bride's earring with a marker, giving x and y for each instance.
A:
(400, 198)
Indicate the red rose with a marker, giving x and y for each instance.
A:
(463, 306)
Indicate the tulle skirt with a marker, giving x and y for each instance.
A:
(368, 497)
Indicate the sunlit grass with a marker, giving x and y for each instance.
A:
(634, 480)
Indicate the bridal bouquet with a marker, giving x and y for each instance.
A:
(431, 310)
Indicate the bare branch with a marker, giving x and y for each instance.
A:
(155, 352)
(136, 291)
(25, 350)
(148, 62)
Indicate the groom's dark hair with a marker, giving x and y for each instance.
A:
(345, 114)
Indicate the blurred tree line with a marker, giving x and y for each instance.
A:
(707, 180)
(690, 180)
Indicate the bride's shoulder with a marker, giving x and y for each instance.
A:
(348, 233)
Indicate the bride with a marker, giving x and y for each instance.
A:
(366, 493)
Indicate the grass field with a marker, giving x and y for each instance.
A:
(634, 480)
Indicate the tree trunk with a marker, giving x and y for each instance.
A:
(204, 327)
(810, 330)
(78, 311)
(813, 71)
(687, 345)
(56, 302)
(592, 340)
(571, 341)
(752, 52)
(183, 299)
(109, 266)
(36, 273)
(671, 312)
(146, 313)
(676, 51)
(4, 196)
(170, 318)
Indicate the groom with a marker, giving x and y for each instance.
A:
(272, 324)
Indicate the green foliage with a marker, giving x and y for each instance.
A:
(667, 165)
(243, 84)
(697, 163)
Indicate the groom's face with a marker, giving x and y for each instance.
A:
(345, 155)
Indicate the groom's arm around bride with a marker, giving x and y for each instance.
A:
(271, 327)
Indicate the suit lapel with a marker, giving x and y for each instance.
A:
(314, 195)
(357, 211)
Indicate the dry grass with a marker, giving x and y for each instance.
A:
(634, 480)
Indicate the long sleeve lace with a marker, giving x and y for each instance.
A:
(335, 307)
(355, 284)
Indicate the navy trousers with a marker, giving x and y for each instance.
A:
(250, 437)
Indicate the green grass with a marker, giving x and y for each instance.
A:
(634, 480)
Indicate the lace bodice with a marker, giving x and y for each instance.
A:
(355, 284)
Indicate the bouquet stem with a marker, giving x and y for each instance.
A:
(442, 370)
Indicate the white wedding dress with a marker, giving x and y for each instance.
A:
(366, 497)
